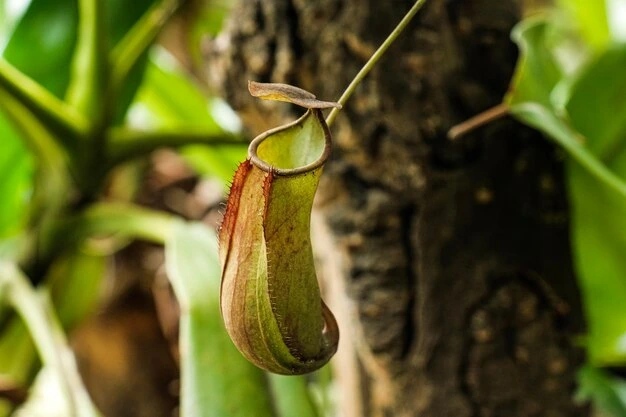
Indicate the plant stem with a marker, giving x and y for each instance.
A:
(56, 115)
(125, 144)
(48, 337)
(481, 119)
(544, 120)
(141, 36)
(87, 91)
(51, 179)
(374, 59)
(88, 83)
(111, 219)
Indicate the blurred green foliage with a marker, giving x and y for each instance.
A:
(16, 170)
(169, 99)
(608, 392)
(43, 229)
(570, 83)
(193, 267)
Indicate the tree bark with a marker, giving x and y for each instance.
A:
(454, 258)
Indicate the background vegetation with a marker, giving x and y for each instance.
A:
(88, 93)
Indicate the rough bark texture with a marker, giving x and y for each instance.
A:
(455, 256)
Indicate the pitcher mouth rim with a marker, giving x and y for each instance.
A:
(264, 166)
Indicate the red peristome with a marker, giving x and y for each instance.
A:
(232, 208)
(267, 186)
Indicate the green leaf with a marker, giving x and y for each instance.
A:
(292, 393)
(563, 134)
(219, 162)
(591, 18)
(599, 219)
(48, 31)
(89, 72)
(591, 127)
(17, 356)
(75, 286)
(168, 100)
(42, 43)
(10, 15)
(216, 380)
(17, 352)
(537, 71)
(37, 314)
(128, 53)
(172, 98)
(597, 104)
(598, 224)
(110, 219)
(121, 17)
(57, 116)
(51, 178)
(125, 144)
(75, 283)
(607, 393)
(322, 391)
(598, 202)
(16, 171)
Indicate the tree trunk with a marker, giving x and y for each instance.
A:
(452, 260)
